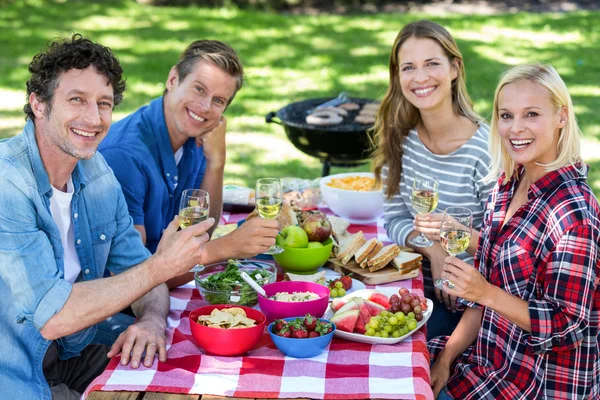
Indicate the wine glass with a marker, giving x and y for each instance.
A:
(455, 235)
(424, 200)
(269, 200)
(193, 209)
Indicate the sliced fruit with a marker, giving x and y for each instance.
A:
(374, 308)
(363, 318)
(380, 298)
(353, 304)
(336, 304)
(345, 321)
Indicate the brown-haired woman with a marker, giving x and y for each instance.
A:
(426, 126)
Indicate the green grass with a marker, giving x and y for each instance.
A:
(290, 58)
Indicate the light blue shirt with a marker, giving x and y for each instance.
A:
(32, 283)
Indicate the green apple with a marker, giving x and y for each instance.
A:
(312, 245)
(292, 236)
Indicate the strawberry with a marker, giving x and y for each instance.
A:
(310, 323)
(284, 332)
(313, 334)
(346, 281)
(323, 328)
(300, 334)
(331, 282)
(279, 324)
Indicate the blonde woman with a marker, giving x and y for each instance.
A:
(426, 126)
(535, 306)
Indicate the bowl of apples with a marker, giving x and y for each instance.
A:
(307, 246)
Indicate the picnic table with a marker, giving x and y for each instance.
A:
(346, 370)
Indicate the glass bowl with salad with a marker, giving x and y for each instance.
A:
(226, 286)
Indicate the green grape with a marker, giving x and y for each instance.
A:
(334, 292)
(339, 285)
(388, 328)
(377, 317)
(367, 326)
(411, 325)
(377, 334)
(341, 292)
(374, 324)
(393, 321)
(411, 315)
(396, 334)
(384, 334)
(370, 332)
(400, 315)
(372, 319)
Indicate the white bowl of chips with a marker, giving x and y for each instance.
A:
(352, 196)
(227, 330)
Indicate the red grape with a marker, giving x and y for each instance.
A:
(414, 303)
(406, 298)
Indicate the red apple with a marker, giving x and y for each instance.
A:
(317, 230)
(311, 215)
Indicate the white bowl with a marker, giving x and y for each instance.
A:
(355, 206)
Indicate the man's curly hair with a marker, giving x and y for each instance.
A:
(61, 56)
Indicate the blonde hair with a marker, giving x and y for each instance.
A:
(569, 150)
(397, 116)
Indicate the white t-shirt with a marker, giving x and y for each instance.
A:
(178, 155)
(60, 207)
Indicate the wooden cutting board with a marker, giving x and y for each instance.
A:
(384, 275)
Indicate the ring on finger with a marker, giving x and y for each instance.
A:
(151, 344)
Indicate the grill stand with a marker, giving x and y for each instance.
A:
(327, 164)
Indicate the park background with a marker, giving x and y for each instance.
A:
(297, 49)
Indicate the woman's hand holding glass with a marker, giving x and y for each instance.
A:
(455, 236)
(425, 197)
(269, 201)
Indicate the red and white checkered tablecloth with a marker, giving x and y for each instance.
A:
(346, 370)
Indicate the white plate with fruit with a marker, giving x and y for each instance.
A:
(331, 276)
(354, 313)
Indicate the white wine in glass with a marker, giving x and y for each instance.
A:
(424, 199)
(193, 209)
(455, 235)
(269, 200)
(268, 207)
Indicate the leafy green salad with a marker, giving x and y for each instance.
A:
(233, 289)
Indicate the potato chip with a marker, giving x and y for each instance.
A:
(227, 318)
(358, 183)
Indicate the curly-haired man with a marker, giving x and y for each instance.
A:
(63, 222)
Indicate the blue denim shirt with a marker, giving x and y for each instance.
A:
(138, 149)
(32, 282)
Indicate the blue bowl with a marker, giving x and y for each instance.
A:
(301, 348)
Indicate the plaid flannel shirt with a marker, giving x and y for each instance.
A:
(547, 254)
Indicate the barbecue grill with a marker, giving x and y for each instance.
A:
(343, 145)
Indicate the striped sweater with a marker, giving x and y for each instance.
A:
(460, 177)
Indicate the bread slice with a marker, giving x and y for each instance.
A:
(349, 246)
(339, 228)
(385, 255)
(378, 246)
(364, 250)
(318, 277)
(406, 262)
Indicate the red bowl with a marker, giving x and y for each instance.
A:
(279, 309)
(227, 342)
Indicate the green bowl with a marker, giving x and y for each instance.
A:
(304, 260)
